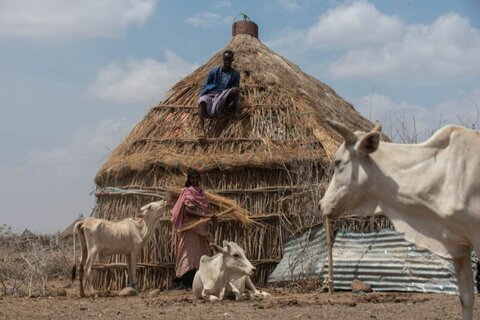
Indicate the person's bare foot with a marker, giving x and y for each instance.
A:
(201, 136)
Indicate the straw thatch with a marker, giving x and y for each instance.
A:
(273, 164)
(27, 234)
(68, 231)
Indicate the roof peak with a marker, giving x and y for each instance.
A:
(245, 26)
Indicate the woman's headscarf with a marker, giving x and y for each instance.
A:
(190, 173)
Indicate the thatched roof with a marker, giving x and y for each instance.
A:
(68, 231)
(287, 123)
(27, 234)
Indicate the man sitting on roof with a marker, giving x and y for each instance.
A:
(221, 90)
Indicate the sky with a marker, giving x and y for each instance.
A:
(76, 76)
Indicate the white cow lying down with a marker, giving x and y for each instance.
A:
(226, 273)
(99, 236)
(430, 191)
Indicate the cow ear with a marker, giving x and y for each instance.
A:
(378, 127)
(346, 134)
(368, 144)
(216, 247)
(226, 245)
(141, 215)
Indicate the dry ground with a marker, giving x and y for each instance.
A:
(284, 304)
(25, 266)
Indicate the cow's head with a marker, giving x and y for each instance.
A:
(153, 211)
(350, 180)
(234, 257)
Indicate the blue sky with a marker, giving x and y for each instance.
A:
(76, 76)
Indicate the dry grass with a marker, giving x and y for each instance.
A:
(27, 265)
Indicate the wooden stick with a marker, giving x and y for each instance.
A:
(330, 258)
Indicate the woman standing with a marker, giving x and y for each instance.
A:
(189, 246)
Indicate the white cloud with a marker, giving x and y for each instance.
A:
(219, 4)
(290, 41)
(368, 43)
(139, 81)
(97, 140)
(208, 20)
(290, 5)
(405, 122)
(359, 24)
(57, 182)
(448, 47)
(64, 20)
(344, 27)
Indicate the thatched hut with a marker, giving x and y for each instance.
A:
(274, 163)
(28, 235)
(68, 231)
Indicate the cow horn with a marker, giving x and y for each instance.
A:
(146, 207)
(378, 127)
(347, 135)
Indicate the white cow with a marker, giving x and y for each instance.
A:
(99, 236)
(226, 273)
(430, 191)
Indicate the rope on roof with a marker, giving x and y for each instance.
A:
(242, 15)
(118, 191)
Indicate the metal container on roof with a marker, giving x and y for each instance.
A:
(245, 26)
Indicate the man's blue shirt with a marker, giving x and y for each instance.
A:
(214, 80)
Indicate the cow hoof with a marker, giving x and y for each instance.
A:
(128, 292)
(154, 292)
(242, 297)
(214, 299)
(261, 295)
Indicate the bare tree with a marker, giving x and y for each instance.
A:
(470, 120)
(27, 264)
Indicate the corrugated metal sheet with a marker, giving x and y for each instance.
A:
(302, 257)
(383, 259)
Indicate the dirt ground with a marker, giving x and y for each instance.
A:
(284, 304)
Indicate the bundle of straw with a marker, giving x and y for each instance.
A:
(228, 209)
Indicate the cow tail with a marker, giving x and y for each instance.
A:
(74, 267)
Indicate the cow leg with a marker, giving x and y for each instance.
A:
(131, 265)
(221, 295)
(249, 285)
(463, 270)
(208, 295)
(81, 271)
(236, 292)
(83, 259)
(88, 269)
(133, 270)
(129, 269)
(256, 293)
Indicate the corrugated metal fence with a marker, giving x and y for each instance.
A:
(383, 259)
(303, 257)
